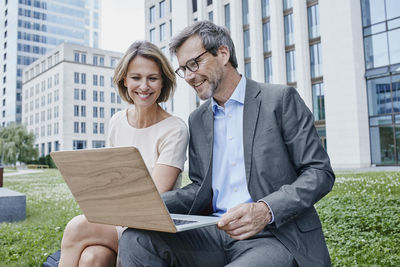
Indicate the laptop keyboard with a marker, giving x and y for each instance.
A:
(181, 222)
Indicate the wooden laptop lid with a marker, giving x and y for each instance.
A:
(113, 186)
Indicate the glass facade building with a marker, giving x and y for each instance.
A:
(30, 29)
(381, 33)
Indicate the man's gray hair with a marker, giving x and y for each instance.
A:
(213, 36)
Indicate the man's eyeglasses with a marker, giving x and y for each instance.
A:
(191, 64)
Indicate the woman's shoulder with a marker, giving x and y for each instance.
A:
(119, 115)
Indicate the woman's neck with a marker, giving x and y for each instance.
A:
(143, 117)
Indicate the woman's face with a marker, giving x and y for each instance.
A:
(144, 82)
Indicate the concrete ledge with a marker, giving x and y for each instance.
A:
(12, 205)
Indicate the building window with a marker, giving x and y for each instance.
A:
(101, 80)
(245, 12)
(194, 6)
(288, 20)
(95, 60)
(83, 111)
(227, 12)
(95, 129)
(76, 94)
(83, 127)
(209, 2)
(287, 4)
(95, 96)
(101, 128)
(83, 78)
(76, 110)
(152, 13)
(162, 32)
(76, 127)
(246, 43)
(268, 70)
(290, 67)
(83, 58)
(316, 60)
(76, 77)
(266, 37)
(94, 79)
(78, 144)
(101, 58)
(101, 112)
(318, 101)
(313, 21)
(211, 16)
(76, 57)
(265, 8)
(112, 97)
(95, 115)
(98, 144)
(83, 94)
(162, 9)
(152, 35)
(101, 94)
(247, 69)
(112, 112)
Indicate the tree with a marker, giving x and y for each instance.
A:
(16, 144)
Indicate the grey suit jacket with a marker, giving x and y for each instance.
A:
(285, 164)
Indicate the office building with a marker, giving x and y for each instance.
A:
(342, 56)
(69, 98)
(32, 28)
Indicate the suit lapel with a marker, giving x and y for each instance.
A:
(250, 116)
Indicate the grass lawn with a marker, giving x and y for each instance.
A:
(361, 219)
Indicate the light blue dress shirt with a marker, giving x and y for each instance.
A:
(228, 173)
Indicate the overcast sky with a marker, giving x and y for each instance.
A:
(122, 23)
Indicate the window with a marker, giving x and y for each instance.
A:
(98, 144)
(227, 12)
(101, 80)
(101, 94)
(76, 127)
(76, 57)
(83, 94)
(245, 12)
(83, 58)
(95, 129)
(79, 144)
(265, 8)
(290, 67)
(316, 60)
(112, 112)
(247, 69)
(313, 21)
(162, 9)
(112, 97)
(83, 127)
(152, 35)
(101, 128)
(76, 94)
(83, 78)
(211, 16)
(76, 110)
(318, 101)
(95, 60)
(266, 37)
(101, 58)
(101, 112)
(83, 111)
(118, 99)
(209, 2)
(287, 4)
(267, 70)
(152, 12)
(288, 19)
(95, 115)
(95, 96)
(95, 80)
(76, 77)
(246, 42)
(194, 6)
(162, 32)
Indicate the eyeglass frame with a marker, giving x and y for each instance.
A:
(183, 68)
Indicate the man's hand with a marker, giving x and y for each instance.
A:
(245, 220)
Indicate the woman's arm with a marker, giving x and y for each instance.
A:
(164, 177)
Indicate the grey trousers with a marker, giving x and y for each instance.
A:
(207, 246)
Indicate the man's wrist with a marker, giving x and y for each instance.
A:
(270, 214)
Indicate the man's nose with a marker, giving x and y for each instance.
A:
(189, 75)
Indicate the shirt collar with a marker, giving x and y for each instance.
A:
(238, 94)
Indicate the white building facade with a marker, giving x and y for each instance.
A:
(69, 98)
(32, 28)
(333, 52)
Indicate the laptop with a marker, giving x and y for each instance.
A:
(113, 186)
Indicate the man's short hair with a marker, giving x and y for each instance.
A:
(152, 52)
(212, 36)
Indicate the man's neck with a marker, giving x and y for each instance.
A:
(227, 86)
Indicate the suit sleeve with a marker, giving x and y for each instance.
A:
(315, 177)
(181, 200)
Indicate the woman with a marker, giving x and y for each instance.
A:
(144, 78)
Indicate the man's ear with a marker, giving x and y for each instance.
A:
(224, 54)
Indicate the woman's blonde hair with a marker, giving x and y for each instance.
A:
(152, 52)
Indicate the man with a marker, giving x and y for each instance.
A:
(255, 159)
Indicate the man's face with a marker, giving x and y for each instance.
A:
(207, 78)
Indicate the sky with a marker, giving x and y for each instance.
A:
(122, 23)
